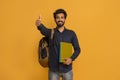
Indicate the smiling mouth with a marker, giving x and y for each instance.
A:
(60, 21)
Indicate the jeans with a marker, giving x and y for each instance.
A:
(57, 75)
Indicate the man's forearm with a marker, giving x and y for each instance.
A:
(45, 31)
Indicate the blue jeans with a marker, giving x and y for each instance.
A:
(57, 75)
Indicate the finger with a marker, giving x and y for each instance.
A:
(39, 17)
(65, 59)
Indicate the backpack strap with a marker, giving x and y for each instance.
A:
(52, 32)
(51, 37)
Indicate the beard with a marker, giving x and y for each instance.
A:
(60, 24)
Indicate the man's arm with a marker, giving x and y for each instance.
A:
(45, 31)
(77, 50)
(76, 47)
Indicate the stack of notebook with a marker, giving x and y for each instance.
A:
(65, 51)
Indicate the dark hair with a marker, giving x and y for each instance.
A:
(60, 11)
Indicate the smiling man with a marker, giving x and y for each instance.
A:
(61, 34)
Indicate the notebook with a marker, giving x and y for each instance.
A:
(65, 51)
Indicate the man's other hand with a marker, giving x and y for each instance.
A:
(68, 61)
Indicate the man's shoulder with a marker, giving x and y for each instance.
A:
(70, 31)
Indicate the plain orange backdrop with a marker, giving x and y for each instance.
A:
(96, 23)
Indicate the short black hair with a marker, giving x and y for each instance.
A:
(60, 11)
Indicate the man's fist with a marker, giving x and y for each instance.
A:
(38, 21)
(68, 61)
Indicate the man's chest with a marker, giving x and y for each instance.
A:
(63, 37)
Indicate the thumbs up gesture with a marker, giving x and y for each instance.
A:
(38, 21)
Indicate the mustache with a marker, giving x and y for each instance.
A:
(60, 21)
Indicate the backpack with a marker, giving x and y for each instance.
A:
(43, 50)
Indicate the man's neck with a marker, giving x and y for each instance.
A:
(61, 29)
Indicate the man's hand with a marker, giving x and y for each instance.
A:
(68, 61)
(38, 21)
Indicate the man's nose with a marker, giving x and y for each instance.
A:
(60, 19)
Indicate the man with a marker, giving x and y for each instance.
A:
(61, 34)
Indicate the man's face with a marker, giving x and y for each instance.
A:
(60, 19)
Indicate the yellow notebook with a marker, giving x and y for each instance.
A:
(65, 51)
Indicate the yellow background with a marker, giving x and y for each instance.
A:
(96, 23)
